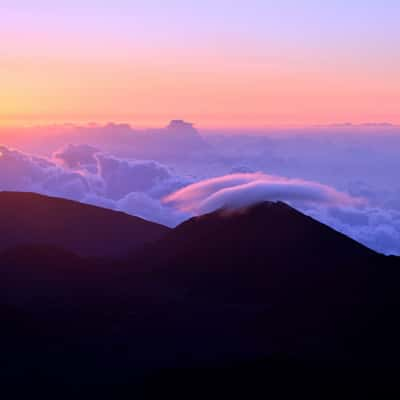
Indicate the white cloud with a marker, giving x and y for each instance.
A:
(240, 190)
(78, 157)
(144, 206)
(84, 174)
(377, 228)
(122, 176)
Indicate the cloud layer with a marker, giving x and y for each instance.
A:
(154, 191)
(85, 174)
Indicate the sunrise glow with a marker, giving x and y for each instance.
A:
(247, 64)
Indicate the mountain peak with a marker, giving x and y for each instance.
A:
(179, 124)
(257, 236)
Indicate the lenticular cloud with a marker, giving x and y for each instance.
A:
(241, 190)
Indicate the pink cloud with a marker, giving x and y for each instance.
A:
(241, 190)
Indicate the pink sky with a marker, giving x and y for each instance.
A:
(232, 67)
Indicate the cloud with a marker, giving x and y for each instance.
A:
(178, 140)
(85, 174)
(144, 206)
(241, 190)
(154, 191)
(24, 172)
(122, 176)
(377, 228)
(78, 157)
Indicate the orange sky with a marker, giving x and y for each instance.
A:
(214, 94)
(58, 67)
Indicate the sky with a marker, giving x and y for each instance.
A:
(221, 64)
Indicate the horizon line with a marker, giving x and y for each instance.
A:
(206, 128)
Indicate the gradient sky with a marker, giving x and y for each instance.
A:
(218, 63)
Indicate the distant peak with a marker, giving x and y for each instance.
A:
(179, 124)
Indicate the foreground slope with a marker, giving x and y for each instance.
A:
(33, 219)
(263, 283)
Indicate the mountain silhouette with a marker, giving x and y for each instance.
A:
(264, 289)
(277, 279)
(255, 237)
(33, 219)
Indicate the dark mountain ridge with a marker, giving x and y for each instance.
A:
(221, 288)
(33, 219)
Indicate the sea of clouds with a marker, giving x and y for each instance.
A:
(348, 181)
